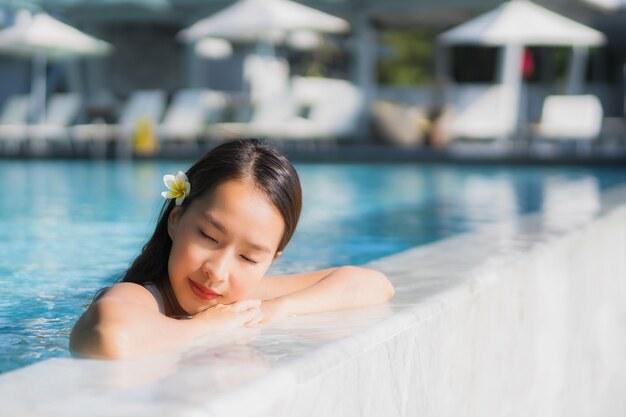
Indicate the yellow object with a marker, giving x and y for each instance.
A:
(145, 142)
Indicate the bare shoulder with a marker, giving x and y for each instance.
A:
(118, 298)
(117, 304)
(130, 292)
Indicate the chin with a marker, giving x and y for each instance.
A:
(198, 307)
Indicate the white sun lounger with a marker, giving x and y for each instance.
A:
(185, 118)
(482, 112)
(577, 117)
(570, 118)
(62, 110)
(142, 105)
(335, 109)
(14, 122)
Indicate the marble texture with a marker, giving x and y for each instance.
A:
(524, 318)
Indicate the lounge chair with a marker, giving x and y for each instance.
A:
(267, 77)
(142, 105)
(575, 118)
(335, 108)
(399, 124)
(62, 110)
(186, 116)
(269, 96)
(482, 113)
(14, 122)
(268, 115)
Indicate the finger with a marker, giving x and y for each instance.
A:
(253, 323)
(246, 304)
(255, 320)
(250, 314)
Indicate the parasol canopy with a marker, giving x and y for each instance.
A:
(42, 38)
(250, 20)
(525, 23)
(519, 23)
(42, 34)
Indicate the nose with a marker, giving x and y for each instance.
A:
(215, 267)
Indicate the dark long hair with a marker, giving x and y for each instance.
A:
(245, 159)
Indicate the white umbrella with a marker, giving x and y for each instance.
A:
(608, 5)
(264, 21)
(520, 23)
(213, 48)
(304, 40)
(524, 23)
(248, 20)
(45, 38)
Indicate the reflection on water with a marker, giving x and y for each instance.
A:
(72, 227)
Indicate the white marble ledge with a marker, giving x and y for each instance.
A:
(254, 372)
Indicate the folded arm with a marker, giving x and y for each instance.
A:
(126, 322)
(326, 290)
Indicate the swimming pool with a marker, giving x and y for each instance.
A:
(69, 228)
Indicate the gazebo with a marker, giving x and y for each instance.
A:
(44, 38)
(512, 26)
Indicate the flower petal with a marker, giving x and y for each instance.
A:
(181, 177)
(179, 200)
(169, 181)
(187, 188)
(169, 194)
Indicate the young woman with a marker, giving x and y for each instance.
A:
(203, 270)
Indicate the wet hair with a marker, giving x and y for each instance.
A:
(244, 160)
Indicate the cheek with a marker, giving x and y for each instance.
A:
(245, 283)
(183, 255)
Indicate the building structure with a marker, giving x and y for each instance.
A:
(148, 54)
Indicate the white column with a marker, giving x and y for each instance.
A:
(74, 76)
(577, 66)
(511, 77)
(192, 67)
(38, 88)
(442, 73)
(365, 70)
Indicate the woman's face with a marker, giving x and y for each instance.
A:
(224, 243)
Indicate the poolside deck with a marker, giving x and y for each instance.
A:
(602, 153)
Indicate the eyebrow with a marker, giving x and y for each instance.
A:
(219, 226)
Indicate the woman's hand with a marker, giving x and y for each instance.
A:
(270, 310)
(230, 316)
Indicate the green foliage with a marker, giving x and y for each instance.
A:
(562, 58)
(412, 60)
(319, 62)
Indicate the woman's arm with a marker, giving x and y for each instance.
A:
(327, 290)
(125, 322)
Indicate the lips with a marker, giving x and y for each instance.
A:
(204, 293)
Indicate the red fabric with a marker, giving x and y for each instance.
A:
(528, 64)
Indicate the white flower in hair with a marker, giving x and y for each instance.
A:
(178, 185)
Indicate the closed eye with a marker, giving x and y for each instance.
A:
(207, 236)
(250, 261)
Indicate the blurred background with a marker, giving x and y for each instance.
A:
(434, 79)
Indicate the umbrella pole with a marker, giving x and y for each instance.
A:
(38, 99)
(511, 77)
(577, 68)
(38, 89)
(442, 74)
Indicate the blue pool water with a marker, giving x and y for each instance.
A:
(69, 228)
